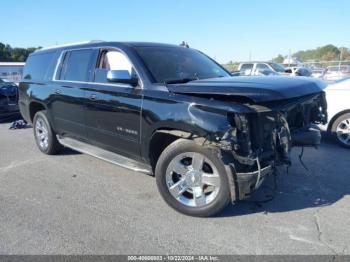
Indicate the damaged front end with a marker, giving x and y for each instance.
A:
(261, 141)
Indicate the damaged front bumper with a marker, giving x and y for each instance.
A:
(260, 142)
(250, 181)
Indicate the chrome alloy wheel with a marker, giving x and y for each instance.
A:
(192, 179)
(41, 133)
(343, 131)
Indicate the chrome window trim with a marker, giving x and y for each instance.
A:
(63, 52)
(69, 44)
(95, 83)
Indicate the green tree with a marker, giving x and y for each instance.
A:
(345, 53)
(324, 53)
(278, 59)
(5, 52)
(9, 54)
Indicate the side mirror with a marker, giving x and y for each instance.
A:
(122, 76)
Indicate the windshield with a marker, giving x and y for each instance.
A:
(178, 64)
(277, 67)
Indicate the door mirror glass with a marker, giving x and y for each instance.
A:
(121, 76)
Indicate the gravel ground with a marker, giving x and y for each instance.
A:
(76, 204)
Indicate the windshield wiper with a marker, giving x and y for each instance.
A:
(180, 81)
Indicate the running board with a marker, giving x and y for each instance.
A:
(108, 156)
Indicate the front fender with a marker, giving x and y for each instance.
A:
(198, 116)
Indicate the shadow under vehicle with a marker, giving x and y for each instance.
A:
(321, 185)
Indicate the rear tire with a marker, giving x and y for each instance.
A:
(45, 137)
(192, 179)
(341, 130)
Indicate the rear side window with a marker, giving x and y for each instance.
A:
(37, 66)
(77, 65)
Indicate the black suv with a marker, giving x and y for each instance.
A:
(169, 110)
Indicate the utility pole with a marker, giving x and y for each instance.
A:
(340, 58)
(250, 56)
(289, 59)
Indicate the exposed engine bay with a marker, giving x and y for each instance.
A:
(261, 141)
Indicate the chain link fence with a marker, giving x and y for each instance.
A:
(327, 70)
(11, 71)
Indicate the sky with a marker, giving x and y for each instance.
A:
(224, 29)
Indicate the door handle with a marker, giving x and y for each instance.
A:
(93, 97)
(58, 91)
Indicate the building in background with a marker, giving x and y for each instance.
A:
(11, 71)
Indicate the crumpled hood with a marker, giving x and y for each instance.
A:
(258, 89)
(8, 89)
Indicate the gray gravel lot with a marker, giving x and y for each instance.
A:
(76, 204)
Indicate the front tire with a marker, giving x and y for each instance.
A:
(341, 130)
(192, 179)
(45, 137)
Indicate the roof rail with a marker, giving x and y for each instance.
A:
(12, 63)
(70, 44)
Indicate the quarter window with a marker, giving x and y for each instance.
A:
(37, 66)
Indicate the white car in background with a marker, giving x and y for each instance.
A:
(270, 68)
(298, 71)
(337, 72)
(318, 72)
(338, 100)
(260, 68)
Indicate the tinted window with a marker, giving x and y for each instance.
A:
(37, 66)
(77, 65)
(168, 64)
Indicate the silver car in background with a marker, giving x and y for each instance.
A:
(337, 72)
